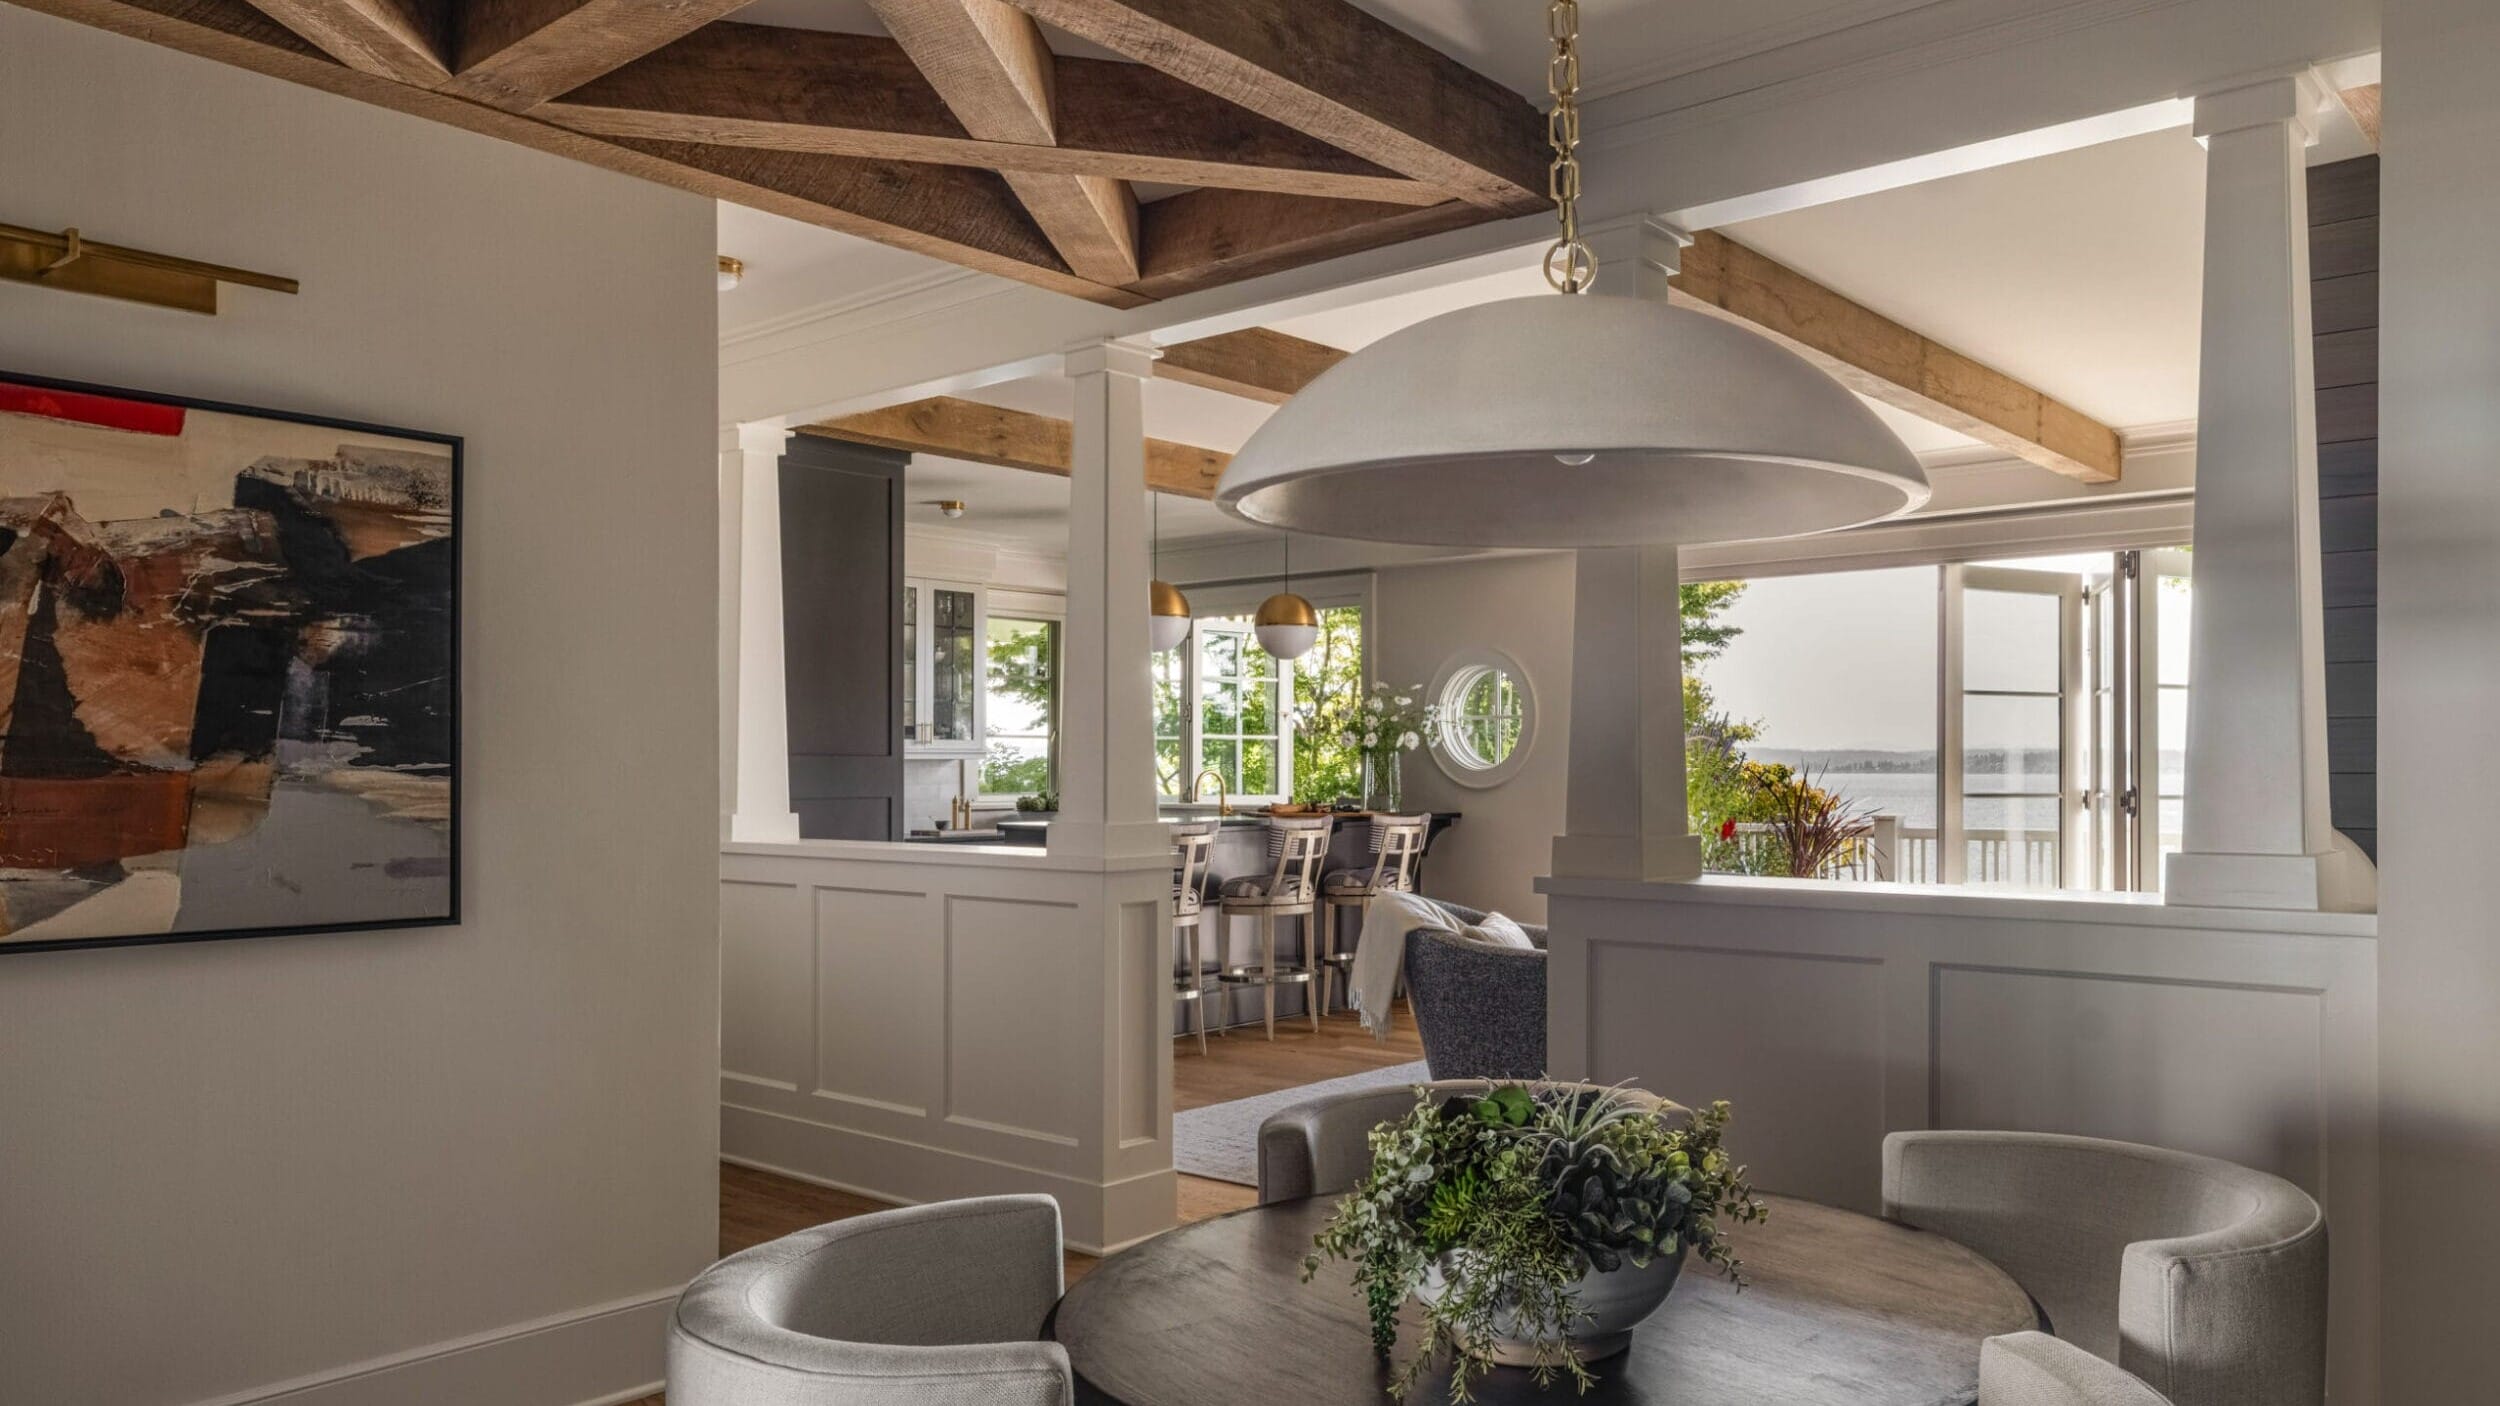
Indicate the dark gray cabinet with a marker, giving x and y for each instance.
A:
(841, 585)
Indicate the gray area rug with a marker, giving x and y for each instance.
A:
(1221, 1141)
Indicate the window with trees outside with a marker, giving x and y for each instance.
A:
(1020, 687)
(1262, 724)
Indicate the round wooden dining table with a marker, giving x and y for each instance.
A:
(1841, 1310)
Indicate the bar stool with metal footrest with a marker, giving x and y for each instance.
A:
(1291, 890)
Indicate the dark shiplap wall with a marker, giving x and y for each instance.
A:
(2343, 269)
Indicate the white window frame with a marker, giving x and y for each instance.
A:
(1955, 579)
(1241, 598)
(1022, 605)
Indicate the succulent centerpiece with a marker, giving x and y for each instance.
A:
(1537, 1224)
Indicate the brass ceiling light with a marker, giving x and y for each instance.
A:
(1287, 625)
(1167, 610)
(731, 270)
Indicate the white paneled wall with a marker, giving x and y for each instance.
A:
(920, 1022)
(1831, 1016)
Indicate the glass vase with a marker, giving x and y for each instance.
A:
(1383, 781)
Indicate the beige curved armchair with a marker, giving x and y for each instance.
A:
(2204, 1278)
(927, 1306)
(2034, 1369)
(1322, 1147)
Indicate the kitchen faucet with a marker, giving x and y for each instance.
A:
(1223, 798)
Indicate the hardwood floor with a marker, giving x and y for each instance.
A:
(759, 1206)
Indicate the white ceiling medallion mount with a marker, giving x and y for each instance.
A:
(1571, 421)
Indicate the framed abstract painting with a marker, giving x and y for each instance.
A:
(229, 671)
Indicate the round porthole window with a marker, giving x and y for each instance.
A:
(1487, 717)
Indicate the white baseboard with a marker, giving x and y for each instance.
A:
(597, 1356)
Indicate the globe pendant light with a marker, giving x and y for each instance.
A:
(1167, 618)
(1287, 625)
(1571, 421)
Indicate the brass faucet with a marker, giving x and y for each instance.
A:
(1223, 798)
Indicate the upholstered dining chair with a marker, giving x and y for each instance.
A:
(1322, 1147)
(2204, 1278)
(1479, 1008)
(937, 1305)
(2034, 1369)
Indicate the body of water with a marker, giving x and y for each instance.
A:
(1912, 796)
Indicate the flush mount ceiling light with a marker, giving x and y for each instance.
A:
(731, 270)
(1571, 421)
(951, 507)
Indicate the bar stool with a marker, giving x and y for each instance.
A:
(1193, 852)
(1397, 847)
(1292, 891)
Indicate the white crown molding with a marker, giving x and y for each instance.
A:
(1762, 39)
(857, 313)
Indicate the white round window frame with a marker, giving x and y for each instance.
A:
(1462, 666)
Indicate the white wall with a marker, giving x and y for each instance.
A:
(1522, 606)
(2439, 673)
(226, 1166)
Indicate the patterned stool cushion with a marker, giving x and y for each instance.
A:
(1254, 887)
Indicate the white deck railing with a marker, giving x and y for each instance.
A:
(2017, 858)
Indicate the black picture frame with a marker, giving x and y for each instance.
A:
(456, 447)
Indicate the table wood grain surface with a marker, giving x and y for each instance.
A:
(1842, 1310)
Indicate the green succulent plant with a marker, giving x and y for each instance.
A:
(1515, 1196)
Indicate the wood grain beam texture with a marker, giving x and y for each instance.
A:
(2367, 104)
(1013, 439)
(403, 40)
(1327, 68)
(1256, 363)
(861, 95)
(1880, 358)
(516, 54)
(964, 217)
(990, 66)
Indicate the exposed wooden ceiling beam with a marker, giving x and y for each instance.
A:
(1880, 358)
(2366, 104)
(883, 201)
(1257, 363)
(1328, 69)
(861, 95)
(1203, 238)
(990, 66)
(516, 54)
(397, 39)
(1013, 439)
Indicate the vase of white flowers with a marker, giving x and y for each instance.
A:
(1389, 724)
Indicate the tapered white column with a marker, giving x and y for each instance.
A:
(755, 707)
(1106, 728)
(2258, 832)
(1625, 815)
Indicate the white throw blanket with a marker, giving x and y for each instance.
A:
(1381, 950)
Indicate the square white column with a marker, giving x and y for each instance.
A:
(2257, 827)
(755, 706)
(1106, 726)
(1625, 816)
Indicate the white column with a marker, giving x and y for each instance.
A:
(755, 709)
(2257, 831)
(1625, 816)
(1106, 727)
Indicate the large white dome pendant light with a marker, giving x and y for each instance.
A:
(1167, 618)
(1571, 421)
(1287, 625)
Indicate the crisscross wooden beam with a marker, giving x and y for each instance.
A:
(990, 66)
(516, 54)
(1013, 439)
(403, 40)
(861, 95)
(1330, 69)
(1256, 363)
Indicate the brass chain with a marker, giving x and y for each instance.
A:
(1571, 266)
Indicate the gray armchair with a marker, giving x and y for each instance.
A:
(927, 1306)
(2204, 1278)
(1479, 1008)
(1322, 1147)
(2034, 1369)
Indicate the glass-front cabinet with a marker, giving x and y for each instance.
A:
(942, 630)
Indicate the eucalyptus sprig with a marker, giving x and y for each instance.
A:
(1513, 1197)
